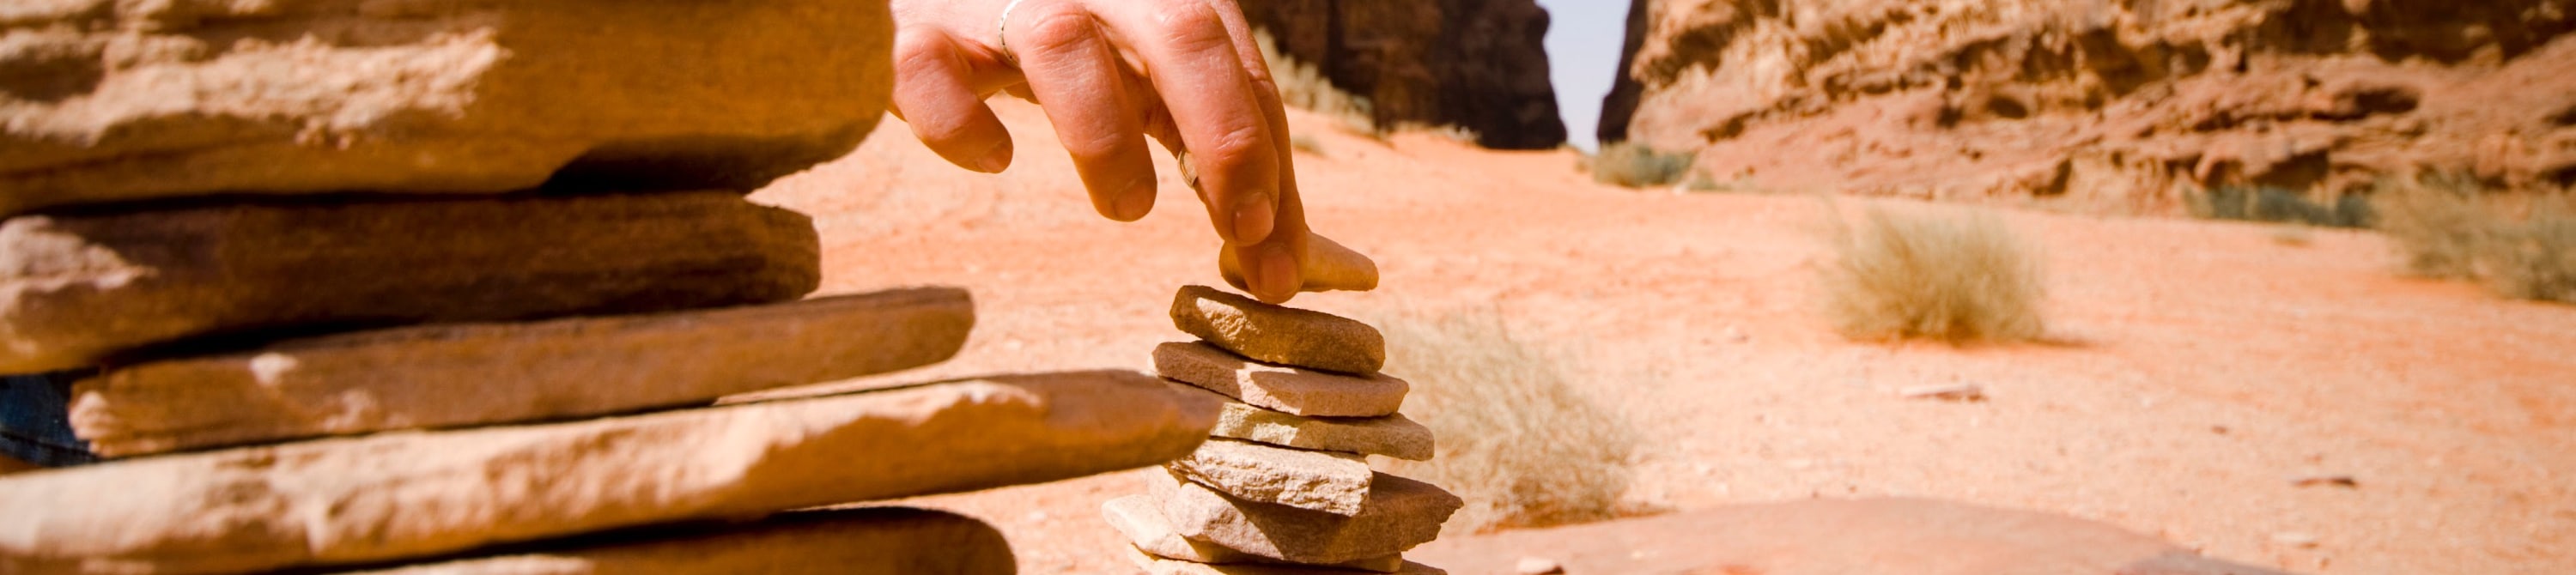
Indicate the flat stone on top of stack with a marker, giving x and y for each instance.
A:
(1284, 486)
(862, 541)
(1278, 334)
(405, 495)
(448, 375)
(88, 287)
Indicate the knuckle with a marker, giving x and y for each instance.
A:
(1059, 31)
(1237, 147)
(1193, 27)
(918, 53)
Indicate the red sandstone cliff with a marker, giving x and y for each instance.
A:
(2110, 102)
(1472, 63)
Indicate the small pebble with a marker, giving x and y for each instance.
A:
(2295, 539)
(1538, 566)
(1945, 392)
(2325, 480)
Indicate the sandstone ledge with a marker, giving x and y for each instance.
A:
(412, 494)
(483, 374)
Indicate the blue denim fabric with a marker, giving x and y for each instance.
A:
(33, 420)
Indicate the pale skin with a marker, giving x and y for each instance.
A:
(1111, 73)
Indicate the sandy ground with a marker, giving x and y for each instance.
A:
(2196, 367)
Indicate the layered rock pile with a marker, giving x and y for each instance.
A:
(457, 287)
(1283, 484)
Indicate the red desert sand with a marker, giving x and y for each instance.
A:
(2194, 370)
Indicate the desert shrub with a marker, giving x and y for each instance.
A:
(2536, 258)
(2437, 226)
(1302, 85)
(1949, 274)
(1637, 166)
(2447, 227)
(2271, 204)
(1518, 441)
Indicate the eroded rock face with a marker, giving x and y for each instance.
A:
(104, 101)
(1478, 64)
(2123, 104)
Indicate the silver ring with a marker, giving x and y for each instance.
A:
(1002, 32)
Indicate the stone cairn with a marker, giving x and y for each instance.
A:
(1283, 484)
(473, 287)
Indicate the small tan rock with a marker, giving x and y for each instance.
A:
(1328, 267)
(863, 541)
(1331, 482)
(1392, 435)
(1161, 566)
(479, 374)
(1538, 566)
(1400, 514)
(1142, 522)
(79, 288)
(413, 494)
(1288, 389)
(1276, 334)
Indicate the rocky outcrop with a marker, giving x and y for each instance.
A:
(108, 101)
(1477, 64)
(2135, 104)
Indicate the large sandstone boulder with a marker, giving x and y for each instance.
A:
(453, 375)
(415, 494)
(2121, 106)
(78, 289)
(1479, 64)
(105, 101)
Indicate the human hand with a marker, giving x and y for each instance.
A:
(1109, 73)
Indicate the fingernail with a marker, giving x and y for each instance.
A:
(1278, 279)
(1253, 213)
(1136, 202)
(995, 160)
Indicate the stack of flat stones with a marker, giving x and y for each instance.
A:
(1283, 483)
(474, 287)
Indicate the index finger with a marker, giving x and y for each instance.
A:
(1192, 59)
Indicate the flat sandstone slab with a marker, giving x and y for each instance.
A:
(1392, 435)
(1137, 517)
(85, 287)
(111, 103)
(866, 541)
(1161, 566)
(1400, 514)
(1287, 389)
(1336, 483)
(454, 375)
(1275, 334)
(413, 494)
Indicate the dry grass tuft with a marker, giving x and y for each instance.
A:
(1955, 275)
(2446, 228)
(1637, 166)
(1302, 85)
(1517, 440)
